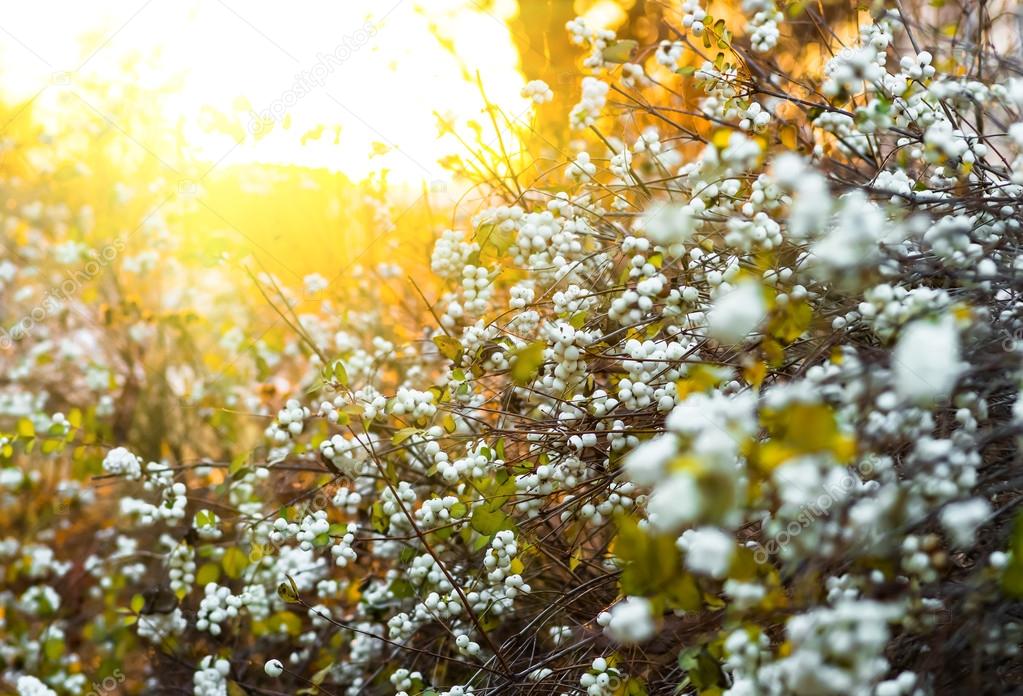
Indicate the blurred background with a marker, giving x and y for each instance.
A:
(174, 174)
(158, 157)
(260, 128)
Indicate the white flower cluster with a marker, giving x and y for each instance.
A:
(692, 16)
(631, 620)
(217, 606)
(707, 550)
(418, 405)
(312, 528)
(157, 628)
(539, 91)
(342, 551)
(30, 686)
(121, 462)
(289, 423)
(211, 677)
(834, 650)
(581, 34)
(591, 103)
(601, 679)
(762, 27)
(348, 454)
(582, 169)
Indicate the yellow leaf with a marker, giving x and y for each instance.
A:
(288, 592)
(209, 572)
(755, 373)
(721, 137)
(701, 378)
(789, 137)
(791, 320)
(494, 243)
(235, 561)
(526, 362)
(291, 623)
(773, 352)
(402, 435)
(803, 429)
(25, 428)
(449, 347)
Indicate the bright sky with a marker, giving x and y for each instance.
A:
(369, 67)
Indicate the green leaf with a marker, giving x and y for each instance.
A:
(53, 649)
(378, 519)
(634, 687)
(493, 242)
(340, 374)
(683, 593)
(402, 589)
(489, 521)
(322, 674)
(744, 565)
(1012, 576)
(527, 361)
(620, 51)
(288, 592)
(238, 463)
(700, 667)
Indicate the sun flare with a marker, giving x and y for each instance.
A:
(263, 82)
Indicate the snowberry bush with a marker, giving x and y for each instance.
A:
(727, 402)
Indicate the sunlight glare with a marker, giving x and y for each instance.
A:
(351, 86)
